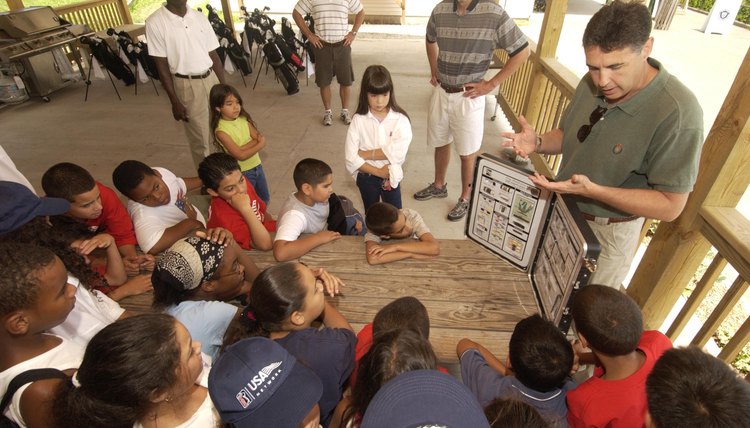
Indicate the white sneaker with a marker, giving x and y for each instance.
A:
(328, 118)
(345, 116)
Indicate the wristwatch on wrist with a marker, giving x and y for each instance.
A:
(538, 143)
(353, 33)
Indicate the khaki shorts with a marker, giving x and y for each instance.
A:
(333, 61)
(454, 118)
(619, 243)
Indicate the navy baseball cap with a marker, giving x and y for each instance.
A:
(257, 383)
(424, 398)
(20, 205)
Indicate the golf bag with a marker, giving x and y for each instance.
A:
(228, 45)
(274, 48)
(135, 52)
(281, 68)
(306, 43)
(109, 59)
(292, 45)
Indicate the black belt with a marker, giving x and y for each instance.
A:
(611, 220)
(333, 45)
(452, 89)
(193, 76)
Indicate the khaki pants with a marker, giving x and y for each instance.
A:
(619, 243)
(193, 93)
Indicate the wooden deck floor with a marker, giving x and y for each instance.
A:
(468, 292)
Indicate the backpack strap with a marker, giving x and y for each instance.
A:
(28, 376)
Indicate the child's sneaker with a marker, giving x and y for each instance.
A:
(459, 211)
(328, 118)
(432, 191)
(345, 116)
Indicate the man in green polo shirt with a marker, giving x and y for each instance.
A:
(630, 138)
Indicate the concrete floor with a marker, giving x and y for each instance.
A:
(100, 133)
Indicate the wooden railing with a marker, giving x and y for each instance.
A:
(727, 230)
(100, 15)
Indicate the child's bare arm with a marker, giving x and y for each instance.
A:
(259, 236)
(332, 318)
(385, 253)
(378, 254)
(175, 233)
(251, 269)
(136, 285)
(192, 183)
(115, 274)
(256, 144)
(489, 357)
(289, 250)
(585, 356)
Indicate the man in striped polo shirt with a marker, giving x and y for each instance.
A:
(461, 38)
(332, 42)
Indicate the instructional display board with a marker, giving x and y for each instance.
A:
(537, 231)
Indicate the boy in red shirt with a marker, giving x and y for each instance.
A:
(234, 204)
(610, 324)
(99, 207)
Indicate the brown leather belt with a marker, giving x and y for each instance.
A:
(333, 45)
(193, 76)
(611, 220)
(452, 89)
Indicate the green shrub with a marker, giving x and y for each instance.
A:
(742, 16)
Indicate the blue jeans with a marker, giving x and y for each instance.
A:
(371, 189)
(257, 178)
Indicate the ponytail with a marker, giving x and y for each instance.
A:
(276, 293)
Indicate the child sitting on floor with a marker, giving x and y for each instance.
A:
(285, 300)
(537, 372)
(99, 252)
(142, 371)
(393, 352)
(610, 324)
(22, 220)
(234, 204)
(98, 207)
(34, 297)
(404, 313)
(385, 222)
(689, 388)
(194, 278)
(158, 204)
(308, 211)
(257, 383)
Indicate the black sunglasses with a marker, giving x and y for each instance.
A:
(595, 117)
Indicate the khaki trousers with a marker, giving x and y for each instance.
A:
(193, 93)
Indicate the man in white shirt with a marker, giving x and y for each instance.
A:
(183, 45)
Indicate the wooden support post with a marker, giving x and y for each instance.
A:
(15, 4)
(678, 248)
(549, 37)
(125, 12)
(227, 11)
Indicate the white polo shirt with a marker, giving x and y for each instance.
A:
(184, 40)
(331, 16)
